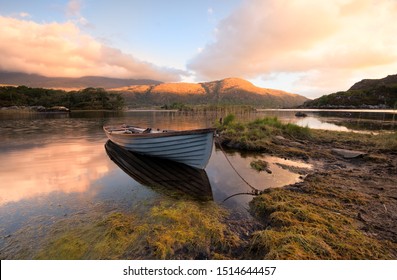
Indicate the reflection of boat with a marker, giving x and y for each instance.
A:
(161, 173)
(191, 147)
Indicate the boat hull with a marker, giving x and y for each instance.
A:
(165, 176)
(192, 147)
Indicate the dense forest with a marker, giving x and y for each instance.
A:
(89, 98)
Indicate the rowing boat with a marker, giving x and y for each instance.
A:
(190, 147)
(165, 176)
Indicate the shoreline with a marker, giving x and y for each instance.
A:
(342, 194)
(34, 109)
(388, 111)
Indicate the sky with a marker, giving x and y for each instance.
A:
(307, 47)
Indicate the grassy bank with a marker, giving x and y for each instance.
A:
(267, 134)
(345, 209)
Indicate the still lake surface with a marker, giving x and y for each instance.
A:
(54, 166)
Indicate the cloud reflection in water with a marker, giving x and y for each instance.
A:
(61, 167)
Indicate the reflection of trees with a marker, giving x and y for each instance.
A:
(360, 120)
(357, 124)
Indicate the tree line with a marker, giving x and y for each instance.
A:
(85, 99)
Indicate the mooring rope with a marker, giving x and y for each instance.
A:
(242, 193)
(255, 190)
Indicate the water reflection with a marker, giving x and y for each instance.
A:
(163, 175)
(225, 182)
(339, 120)
(40, 170)
(312, 122)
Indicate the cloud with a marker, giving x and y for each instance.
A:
(24, 15)
(314, 39)
(61, 49)
(73, 8)
(73, 12)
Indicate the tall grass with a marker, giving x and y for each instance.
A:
(258, 133)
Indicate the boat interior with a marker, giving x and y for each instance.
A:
(129, 129)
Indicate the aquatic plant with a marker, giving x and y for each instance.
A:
(171, 229)
(188, 228)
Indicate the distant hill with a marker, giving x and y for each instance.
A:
(38, 81)
(368, 84)
(144, 92)
(368, 93)
(230, 91)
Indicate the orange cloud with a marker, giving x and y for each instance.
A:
(344, 39)
(61, 49)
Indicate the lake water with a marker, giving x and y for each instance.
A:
(339, 120)
(54, 167)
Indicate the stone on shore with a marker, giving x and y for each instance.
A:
(348, 153)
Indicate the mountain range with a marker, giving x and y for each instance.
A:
(38, 81)
(229, 91)
(144, 92)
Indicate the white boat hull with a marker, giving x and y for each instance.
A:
(191, 147)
